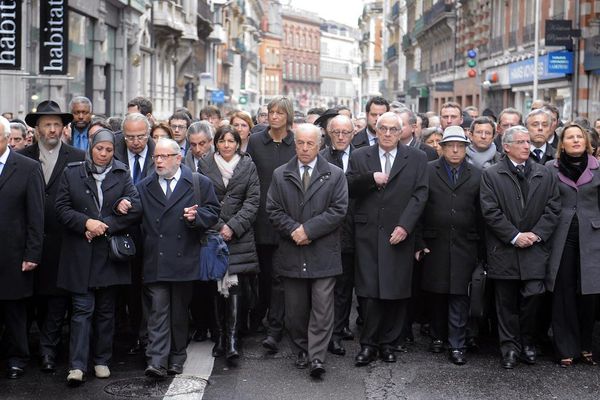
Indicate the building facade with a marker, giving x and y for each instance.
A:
(371, 27)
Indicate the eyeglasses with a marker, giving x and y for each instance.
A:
(178, 127)
(163, 156)
(141, 138)
(521, 142)
(343, 133)
(385, 129)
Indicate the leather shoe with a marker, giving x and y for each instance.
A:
(472, 345)
(48, 364)
(529, 355)
(335, 347)
(400, 348)
(436, 346)
(155, 372)
(347, 334)
(316, 368)
(270, 344)
(175, 369)
(200, 335)
(15, 372)
(509, 359)
(302, 360)
(137, 348)
(457, 357)
(387, 355)
(366, 355)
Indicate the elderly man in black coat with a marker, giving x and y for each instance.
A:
(22, 233)
(520, 203)
(390, 185)
(51, 302)
(173, 223)
(450, 242)
(307, 202)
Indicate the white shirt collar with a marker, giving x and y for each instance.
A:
(310, 164)
(543, 148)
(4, 157)
(514, 163)
(141, 153)
(392, 152)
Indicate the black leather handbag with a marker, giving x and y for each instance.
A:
(121, 247)
(477, 291)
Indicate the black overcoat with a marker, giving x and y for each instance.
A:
(239, 205)
(45, 276)
(581, 199)
(320, 210)
(171, 243)
(21, 224)
(451, 229)
(122, 155)
(84, 265)
(507, 213)
(268, 155)
(384, 271)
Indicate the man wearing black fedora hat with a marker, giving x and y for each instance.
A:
(53, 155)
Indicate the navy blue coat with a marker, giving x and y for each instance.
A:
(85, 265)
(171, 243)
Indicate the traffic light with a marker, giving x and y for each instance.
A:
(243, 99)
(472, 63)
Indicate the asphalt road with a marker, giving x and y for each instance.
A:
(418, 374)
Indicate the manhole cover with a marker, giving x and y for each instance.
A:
(150, 388)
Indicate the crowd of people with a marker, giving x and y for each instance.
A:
(396, 207)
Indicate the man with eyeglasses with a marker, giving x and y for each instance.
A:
(507, 118)
(134, 149)
(174, 219)
(539, 123)
(341, 131)
(179, 123)
(482, 151)
(389, 184)
(520, 204)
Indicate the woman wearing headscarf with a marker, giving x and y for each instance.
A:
(96, 199)
(236, 184)
(573, 275)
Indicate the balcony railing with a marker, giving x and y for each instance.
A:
(436, 11)
(168, 14)
(496, 44)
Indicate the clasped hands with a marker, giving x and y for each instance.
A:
(526, 239)
(300, 237)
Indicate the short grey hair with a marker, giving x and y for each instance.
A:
(539, 111)
(309, 128)
(19, 126)
(203, 127)
(80, 100)
(5, 127)
(389, 114)
(134, 117)
(169, 143)
(343, 119)
(412, 117)
(508, 135)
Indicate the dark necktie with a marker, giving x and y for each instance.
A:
(538, 154)
(337, 158)
(375, 140)
(522, 180)
(454, 175)
(169, 192)
(306, 177)
(137, 171)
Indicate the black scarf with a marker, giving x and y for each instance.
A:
(521, 176)
(572, 167)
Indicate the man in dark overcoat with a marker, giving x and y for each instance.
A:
(173, 223)
(520, 203)
(134, 148)
(22, 233)
(270, 148)
(450, 242)
(340, 131)
(307, 203)
(374, 108)
(390, 185)
(51, 302)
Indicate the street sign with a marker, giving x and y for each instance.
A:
(444, 86)
(560, 62)
(560, 33)
(217, 97)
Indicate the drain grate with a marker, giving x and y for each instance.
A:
(142, 387)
